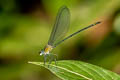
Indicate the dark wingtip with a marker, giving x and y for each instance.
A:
(64, 6)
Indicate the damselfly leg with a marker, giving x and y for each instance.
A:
(45, 58)
(52, 57)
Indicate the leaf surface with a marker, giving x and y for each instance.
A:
(77, 70)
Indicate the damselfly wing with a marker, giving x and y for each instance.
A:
(59, 30)
(61, 26)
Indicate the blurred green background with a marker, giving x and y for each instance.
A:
(25, 27)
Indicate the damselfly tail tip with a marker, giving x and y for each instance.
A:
(98, 22)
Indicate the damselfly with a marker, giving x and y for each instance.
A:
(58, 32)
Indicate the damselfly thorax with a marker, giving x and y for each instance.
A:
(46, 50)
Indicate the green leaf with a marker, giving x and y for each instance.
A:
(77, 70)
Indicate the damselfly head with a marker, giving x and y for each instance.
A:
(41, 52)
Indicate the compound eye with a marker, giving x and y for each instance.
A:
(39, 52)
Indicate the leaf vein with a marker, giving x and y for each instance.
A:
(94, 71)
